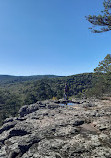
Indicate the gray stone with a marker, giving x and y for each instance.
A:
(7, 126)
(48, 130)
(27, 109)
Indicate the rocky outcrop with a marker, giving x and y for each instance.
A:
(48, 129)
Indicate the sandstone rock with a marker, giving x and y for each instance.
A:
(48, 130)
(7, 126)
(27, 109)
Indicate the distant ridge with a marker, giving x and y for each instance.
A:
(16, 91)
(6, 79)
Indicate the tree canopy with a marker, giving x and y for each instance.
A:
(102, 21)
(105, 65)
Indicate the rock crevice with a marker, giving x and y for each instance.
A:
(50, 130)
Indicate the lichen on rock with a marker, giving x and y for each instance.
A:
(50, 130)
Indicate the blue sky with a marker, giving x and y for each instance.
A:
(50, 37)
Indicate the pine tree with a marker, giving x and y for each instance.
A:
(105, 65)
(102, 21)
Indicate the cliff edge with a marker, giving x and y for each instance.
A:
(48, 129)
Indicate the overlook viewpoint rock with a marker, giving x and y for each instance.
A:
(48, 129)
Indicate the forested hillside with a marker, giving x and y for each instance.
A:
(7, 79)
(15, 92)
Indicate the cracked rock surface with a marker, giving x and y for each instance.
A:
(48, 129)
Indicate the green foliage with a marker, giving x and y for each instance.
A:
(97, 90)
(14, 95)
(39, 90)
(105, 65)
(104, 69)
(9, 104)
(7, 79)
(103, 84)
(103, 20)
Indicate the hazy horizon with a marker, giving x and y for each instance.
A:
(43, 74)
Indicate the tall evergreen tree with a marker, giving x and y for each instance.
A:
(102, 21)
(105, 65)
(104, 72)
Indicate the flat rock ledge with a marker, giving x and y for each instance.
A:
(47, 129)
